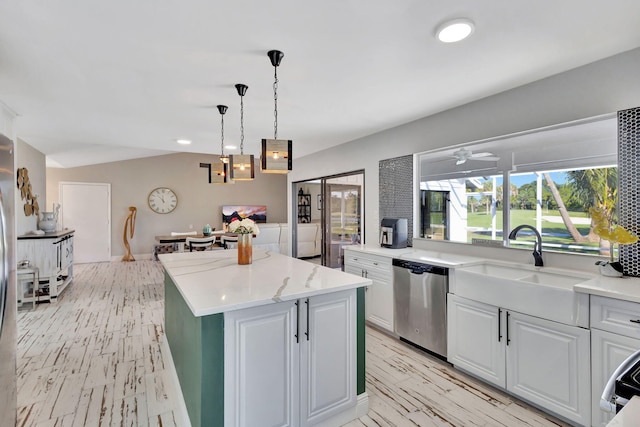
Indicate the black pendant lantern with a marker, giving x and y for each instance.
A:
(219, 172)
(276, 153)
(241, 165)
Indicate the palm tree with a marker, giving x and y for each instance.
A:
(473, 203)
(591, 187)
(564, 214)
(596, 188)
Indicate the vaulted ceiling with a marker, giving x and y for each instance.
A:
(96, 82)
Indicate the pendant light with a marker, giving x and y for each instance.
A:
(219, 172)
(241, 165)
(276, 153)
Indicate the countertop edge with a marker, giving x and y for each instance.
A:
(418, 255)
(53, 235)
(354, 283)
(258, 303)
(623, 288)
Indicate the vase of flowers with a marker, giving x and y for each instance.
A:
(605, 227)
(245, 229)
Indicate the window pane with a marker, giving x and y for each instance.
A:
(557, 204)
(462, 209)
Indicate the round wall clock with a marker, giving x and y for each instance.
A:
(162, 200)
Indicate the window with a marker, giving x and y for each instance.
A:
(557, 204)
(547, 179)
(434, 207)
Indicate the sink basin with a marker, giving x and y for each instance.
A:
(537, 291)
(559, 280)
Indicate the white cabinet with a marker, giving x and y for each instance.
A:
(615, 334)
(53, 255)
(548, 363)
(544, 362)
(475, 339)
(608, 351)
(291, 363)
(379, 296)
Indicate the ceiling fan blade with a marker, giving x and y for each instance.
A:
(485, 159)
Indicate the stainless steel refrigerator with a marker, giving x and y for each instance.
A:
(7, 286)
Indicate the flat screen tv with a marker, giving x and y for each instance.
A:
(254, 212)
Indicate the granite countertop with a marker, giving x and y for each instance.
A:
(442, 259)
(212, 281)
(623, 288)
(629, 415)
(51, 235)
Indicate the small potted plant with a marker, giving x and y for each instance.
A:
(605, 227)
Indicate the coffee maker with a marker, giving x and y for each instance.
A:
(393, 233)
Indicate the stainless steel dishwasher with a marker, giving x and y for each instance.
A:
(420, 303)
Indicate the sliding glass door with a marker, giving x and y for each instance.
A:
(343, 216)
(336, 206)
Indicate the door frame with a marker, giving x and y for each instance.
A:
(324, 229)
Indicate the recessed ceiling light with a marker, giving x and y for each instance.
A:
(230, 147)
(183, 141)
(455, 30)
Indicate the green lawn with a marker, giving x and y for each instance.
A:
(554, 232)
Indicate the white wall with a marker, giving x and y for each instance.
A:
(594, 89)
(35, 162)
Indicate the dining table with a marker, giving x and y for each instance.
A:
(180, 239)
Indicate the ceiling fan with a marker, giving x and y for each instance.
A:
(462, 155)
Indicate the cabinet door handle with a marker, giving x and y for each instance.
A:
(634, 320)
(297, 322)
(307, 333)
(499, 321)
(508, 339)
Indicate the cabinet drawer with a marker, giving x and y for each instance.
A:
(617, 316)
(368, 262)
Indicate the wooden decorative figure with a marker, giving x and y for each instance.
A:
(24, 187)
(130, 223)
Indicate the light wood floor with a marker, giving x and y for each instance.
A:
(94, 358)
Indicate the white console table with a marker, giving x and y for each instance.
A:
(52, 253)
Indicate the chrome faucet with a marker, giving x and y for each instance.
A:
(537, 249)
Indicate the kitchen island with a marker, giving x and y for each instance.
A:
(277, 342)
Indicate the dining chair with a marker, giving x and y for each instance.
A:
(208, 243)
(229, 242)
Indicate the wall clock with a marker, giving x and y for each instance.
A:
(162, 200)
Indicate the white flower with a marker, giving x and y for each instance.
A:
(246, 226)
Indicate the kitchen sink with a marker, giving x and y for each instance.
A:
(537, 291)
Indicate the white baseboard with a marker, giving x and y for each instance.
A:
(360, 409)
(138, 257)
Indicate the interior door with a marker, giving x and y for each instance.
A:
(86, 208)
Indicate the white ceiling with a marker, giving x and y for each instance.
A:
(95, 82)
